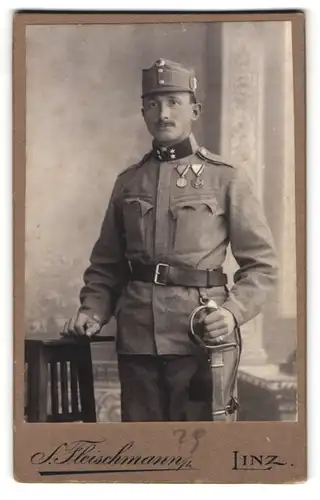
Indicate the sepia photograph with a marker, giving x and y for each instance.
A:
(160, 226)
(159, 178)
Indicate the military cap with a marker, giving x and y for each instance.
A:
(167, 76)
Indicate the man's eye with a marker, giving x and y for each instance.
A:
(173, 102)
(152, 104)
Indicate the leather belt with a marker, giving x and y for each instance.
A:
(166, 275)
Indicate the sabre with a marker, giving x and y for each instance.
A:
(215, 358)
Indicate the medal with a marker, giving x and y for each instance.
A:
(182, 181)
(197, 170)
(198, 183)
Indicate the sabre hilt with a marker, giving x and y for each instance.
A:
(208, 306)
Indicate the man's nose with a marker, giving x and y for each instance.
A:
(164, 111)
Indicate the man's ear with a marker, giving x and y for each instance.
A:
(196, 110)
(142, 112)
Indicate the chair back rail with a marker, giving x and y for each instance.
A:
(60, 386)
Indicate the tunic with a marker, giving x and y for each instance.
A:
(152, 220)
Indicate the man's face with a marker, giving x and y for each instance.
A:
(169, 116)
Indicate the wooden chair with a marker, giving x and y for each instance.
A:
(59, 379)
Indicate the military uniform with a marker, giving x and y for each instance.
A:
(162, 246)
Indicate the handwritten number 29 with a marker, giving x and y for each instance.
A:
(194, 437)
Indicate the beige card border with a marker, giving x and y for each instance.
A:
(213, 459)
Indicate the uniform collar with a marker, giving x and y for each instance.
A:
(177, 151)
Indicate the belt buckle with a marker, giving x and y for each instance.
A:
(158, 272)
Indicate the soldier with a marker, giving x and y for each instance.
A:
(161, 249)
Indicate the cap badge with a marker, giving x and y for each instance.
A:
(193, 83)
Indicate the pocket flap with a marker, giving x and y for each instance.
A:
(210, 204)
(143, 205)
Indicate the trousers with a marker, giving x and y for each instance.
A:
(165, 388)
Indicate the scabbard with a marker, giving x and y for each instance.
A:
(221, 359)
(218, 399)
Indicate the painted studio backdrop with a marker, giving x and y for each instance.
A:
(84, 126)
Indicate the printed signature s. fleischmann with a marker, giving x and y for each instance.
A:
(94, 453)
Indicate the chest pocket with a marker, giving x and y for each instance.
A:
(193, 224)
(137, 216)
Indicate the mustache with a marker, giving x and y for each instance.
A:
(164, 123)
